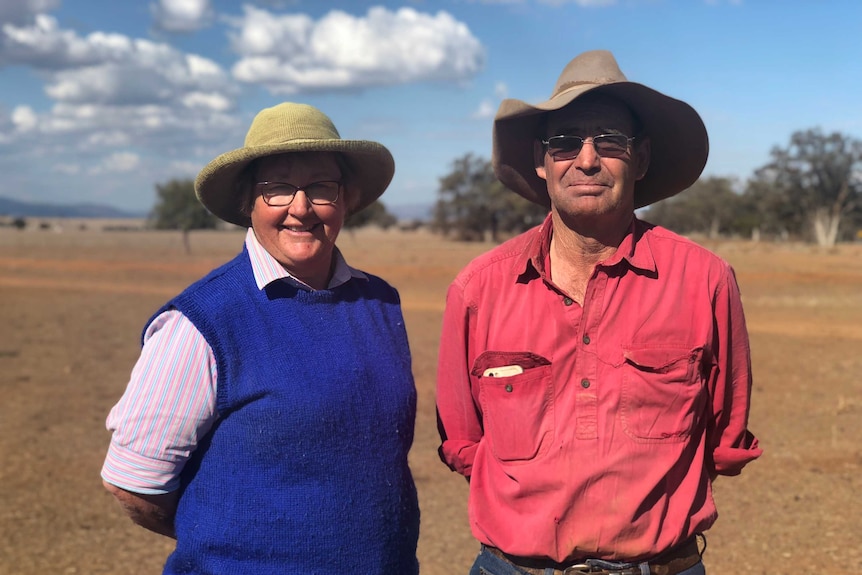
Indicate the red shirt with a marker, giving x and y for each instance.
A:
(605, 444)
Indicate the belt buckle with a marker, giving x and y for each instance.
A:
(586, 569)
(578, 569)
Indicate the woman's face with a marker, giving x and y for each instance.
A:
(301, 236)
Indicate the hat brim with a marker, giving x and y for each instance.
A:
(370, 164)
(678, 138)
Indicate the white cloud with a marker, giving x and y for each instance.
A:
(67, 169)
(44, 45)
(23, 11)
(581, 3)
(107, 139)
(117, 162)
(486, 110)
(112, 69)
(488, 107)
(112, 84)
(24, 118)
(182, 15)
(215, 102)
(189, 169)
(293, 53)
(120, 103)
(501, 90)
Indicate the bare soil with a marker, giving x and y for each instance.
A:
(72, 305)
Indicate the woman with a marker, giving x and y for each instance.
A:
(268, 419)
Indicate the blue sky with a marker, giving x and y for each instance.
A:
(100, 100)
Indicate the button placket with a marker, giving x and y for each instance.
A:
(588, 374)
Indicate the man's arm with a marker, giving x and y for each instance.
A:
(730, 441)
(153, 512)
(458, 419)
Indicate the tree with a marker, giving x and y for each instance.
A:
(771, 213)
(177, 208)
(709, 207)
(816, 181)
(374, 214)
(473, 203)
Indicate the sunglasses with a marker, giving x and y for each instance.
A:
(606, 146)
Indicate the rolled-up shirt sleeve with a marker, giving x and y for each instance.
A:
(732, 444)
(458, 416)
(168, 406)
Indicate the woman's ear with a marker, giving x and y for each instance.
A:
(539, 159)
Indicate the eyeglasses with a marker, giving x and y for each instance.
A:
(606, 145)
(281, 194)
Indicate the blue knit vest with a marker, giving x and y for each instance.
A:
(306, 468)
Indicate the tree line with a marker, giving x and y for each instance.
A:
(809, 190)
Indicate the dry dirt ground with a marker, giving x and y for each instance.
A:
(72, 305)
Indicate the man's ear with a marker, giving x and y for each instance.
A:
(539, 159)
(642, 156)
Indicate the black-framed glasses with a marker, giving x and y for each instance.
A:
(606, 145)
(281, 194)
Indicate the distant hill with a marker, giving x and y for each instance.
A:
(404, 212)
(16, 208)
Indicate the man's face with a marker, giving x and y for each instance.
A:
(592, 187)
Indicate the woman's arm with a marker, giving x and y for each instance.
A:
(153, 512)
(168, 406)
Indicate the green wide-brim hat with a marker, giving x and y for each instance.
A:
(679, 145)
(286, 128)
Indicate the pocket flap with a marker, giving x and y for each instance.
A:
(658, 359)
(525, 359)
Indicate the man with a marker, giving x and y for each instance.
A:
(594, 372)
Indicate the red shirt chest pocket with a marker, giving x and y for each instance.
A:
(663, 392)
(517, 410)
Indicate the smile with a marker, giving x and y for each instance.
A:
(300, 229)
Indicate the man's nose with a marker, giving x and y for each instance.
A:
(588, 157)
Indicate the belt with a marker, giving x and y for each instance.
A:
(671, 562)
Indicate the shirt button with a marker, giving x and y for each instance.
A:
(586, 340)
(568, 301)
(585, 383)
(509, 387)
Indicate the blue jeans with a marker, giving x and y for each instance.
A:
(489, 564)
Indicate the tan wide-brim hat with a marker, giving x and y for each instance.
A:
(679, 143)
(286, 128)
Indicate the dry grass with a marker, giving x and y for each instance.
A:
(72, 305)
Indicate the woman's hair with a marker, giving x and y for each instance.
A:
(245, 187)
(248, 178)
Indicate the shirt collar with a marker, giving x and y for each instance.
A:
(267, 269)
(634, 250)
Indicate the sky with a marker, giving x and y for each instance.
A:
(101, 100)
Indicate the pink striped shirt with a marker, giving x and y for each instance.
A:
(170, 401)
